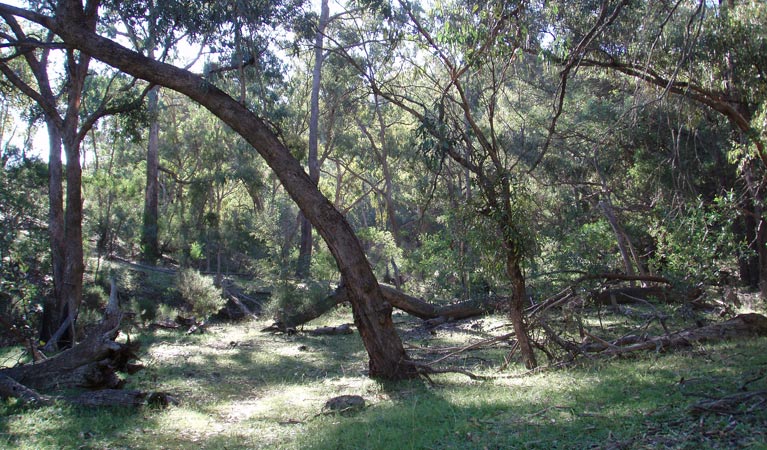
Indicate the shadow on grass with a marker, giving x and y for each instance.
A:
(66, 426)
(636, 403)
(215, 372)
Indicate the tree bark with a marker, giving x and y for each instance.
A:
(51, 313)
(517, 310)
(73, 232)
(372, 315)
(149, 236)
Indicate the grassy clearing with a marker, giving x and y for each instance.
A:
(241, 388)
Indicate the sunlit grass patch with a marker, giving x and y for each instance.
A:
(12, 355)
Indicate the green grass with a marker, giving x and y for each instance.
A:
(241, 388)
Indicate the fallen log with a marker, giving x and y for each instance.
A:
(10, 388)
(741, 326)
(632, 295)
(332, 331)
(623, 277)
(425, 310)
(119, 397)
(290, 319)
(92, 364)
(165, 324)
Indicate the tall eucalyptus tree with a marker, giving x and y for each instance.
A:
(305, 251)
(69, 116)
(459, 95)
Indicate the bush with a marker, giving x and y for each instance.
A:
(199, 292)
(289, 298)
(94, 297)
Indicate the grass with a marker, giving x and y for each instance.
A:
(241, 388)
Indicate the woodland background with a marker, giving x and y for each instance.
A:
(492, 155)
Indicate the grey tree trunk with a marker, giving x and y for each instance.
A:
(305, 251)
(150, 246)
(51, 314)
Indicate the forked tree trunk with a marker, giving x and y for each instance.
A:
(65, 223)
(90, 364)
(372, 315)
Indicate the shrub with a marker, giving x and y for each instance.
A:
(94, 297)
(199, 292)
(293, 299)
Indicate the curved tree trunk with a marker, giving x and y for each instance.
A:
(372, 315)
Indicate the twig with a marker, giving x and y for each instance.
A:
(726, 405)
(475, 345)
(600, 340)
(658, 315)
(426, 369)
(744, 385)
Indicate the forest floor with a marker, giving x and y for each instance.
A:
(239, 387)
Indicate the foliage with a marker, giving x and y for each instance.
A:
(381, 248)
(324, 267)
(24, 259)
(295, 298)
(716, 248)
(198, 290)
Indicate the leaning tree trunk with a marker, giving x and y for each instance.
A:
(372, 315)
